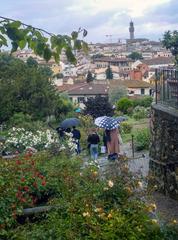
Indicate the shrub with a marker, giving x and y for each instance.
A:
(124, 104)
(140, 112)
(145, 101)
(142, 139)
(126, 127)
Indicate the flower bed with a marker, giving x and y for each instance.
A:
(89, 207)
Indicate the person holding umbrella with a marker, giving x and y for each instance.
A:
(113, 144)
(111, 134)
(76, 136)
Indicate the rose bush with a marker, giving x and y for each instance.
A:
(88, 206)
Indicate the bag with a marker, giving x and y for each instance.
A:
(103, 149)
(120, 139)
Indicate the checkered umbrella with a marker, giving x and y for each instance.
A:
(106, 122)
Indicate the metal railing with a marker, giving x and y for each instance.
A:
(166, 87)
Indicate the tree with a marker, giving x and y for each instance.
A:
(170, 41)
(135, 56)
(124, 104)
(31, 62)
(43, 43)
(89, 77)
(25, 89)
(109, 74)
(117, 92)
(63, 107)
(98, 106)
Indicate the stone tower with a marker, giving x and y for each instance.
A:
(131, 30)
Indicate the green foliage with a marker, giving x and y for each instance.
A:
(126, 127)
(145, 101)
(124, 104)
(116, 93)
(135, 56)
(59, 75)
(140, 112)
(142, 139)
(63, 107)
(87, 207)
(98, 106)
(31, 62)
(22, 35)
(89, 77)
(109, 74)
(28, 90)
(170, 40)
(25, 121)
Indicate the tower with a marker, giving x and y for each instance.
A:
(131, 30)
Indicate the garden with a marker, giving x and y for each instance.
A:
(48, 193)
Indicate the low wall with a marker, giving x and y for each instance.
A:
(164, 148)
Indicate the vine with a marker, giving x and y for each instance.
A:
(42, 42)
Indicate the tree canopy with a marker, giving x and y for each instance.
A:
(25, 89)
(117, 92)
(89, 77)
(43, 43)
(170, 41)
(98, 106)
(109, 74)
(135, 56)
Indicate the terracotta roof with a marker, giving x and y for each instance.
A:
(67, 87)
(132, 83)
(159, 60)
(107, 59)
(90, 89)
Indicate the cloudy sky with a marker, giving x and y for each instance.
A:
(100, 17)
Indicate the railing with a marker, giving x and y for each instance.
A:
(166, 87)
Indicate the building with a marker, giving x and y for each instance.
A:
(103, 62)
(135, 88)
(79, 93)
(131, 30)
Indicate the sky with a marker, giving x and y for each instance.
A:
(99, 17)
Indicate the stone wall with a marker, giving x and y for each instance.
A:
(164, 148)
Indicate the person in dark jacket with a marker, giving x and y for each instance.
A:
(93, 140)
(76, 136)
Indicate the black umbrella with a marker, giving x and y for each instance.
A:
(106, 122)
(69, 122)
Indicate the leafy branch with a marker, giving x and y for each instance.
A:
(42, 42)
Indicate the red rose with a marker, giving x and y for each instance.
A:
(43, 183)
(22, 179)
(26, 188)
(35, 184)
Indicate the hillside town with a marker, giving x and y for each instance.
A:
(132, 63)
(89, 120)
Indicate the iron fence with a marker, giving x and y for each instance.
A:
(166, 87)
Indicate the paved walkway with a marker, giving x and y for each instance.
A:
(167, 208)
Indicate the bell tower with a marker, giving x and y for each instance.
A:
(131, 30)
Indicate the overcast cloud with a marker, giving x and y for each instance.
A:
(100, 17)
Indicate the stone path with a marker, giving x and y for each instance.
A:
(138, 164)
(167, 208)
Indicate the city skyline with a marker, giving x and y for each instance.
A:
(99, 17)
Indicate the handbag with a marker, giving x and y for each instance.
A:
(103, 149)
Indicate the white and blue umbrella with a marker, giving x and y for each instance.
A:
(106, 122)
